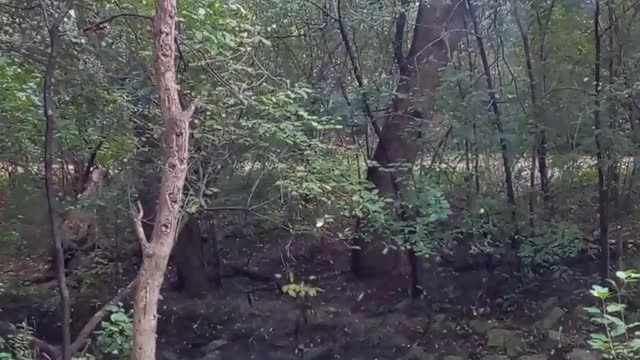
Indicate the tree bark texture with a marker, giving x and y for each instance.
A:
(176, 146)
(603, 194)
(49, 154)
(438, 30)
(190, 262)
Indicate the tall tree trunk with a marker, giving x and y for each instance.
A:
(603, 196)
(542, 145)
(436, 34)
(497, 118)
(613, 171)
(634, 123)
(190, 262)
(176, 147)
(535, 123)
(49, 153)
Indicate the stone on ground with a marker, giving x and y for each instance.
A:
(551, 318)
(579, 354)
(533, 357)
(495, 357)
(418, 353)
(481, 326)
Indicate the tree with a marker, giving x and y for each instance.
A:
(49, 151)
(437, 32)
(157, 250)
(603, 193)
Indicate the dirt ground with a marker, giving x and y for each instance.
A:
(468, 315)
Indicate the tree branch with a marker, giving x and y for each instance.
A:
(398, 38)
(136, 216)
(100, 25)
(87, 330)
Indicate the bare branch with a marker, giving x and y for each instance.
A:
(87, 330)
(100, 25)
(136, 216)
(188, 112)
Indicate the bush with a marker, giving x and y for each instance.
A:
(617, 339)
(114, 338)
(16, 346)
(557, 241)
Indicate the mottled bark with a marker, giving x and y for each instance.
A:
(176, 146)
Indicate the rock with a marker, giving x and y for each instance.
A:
(441, 324)
(550, 304)
(481, 326)
(168, 355)
(533, 357)
(514, 345)
(551, 318)
(495, 357)
(452, 357)
(282, 356)
(398, 339)
(418, 353)
(437, 318)
(557, 338)
(554, 335)
(214, 345)
(404, 305)
(318, 353)
(498, 337)
(579, 354)
(215, 355)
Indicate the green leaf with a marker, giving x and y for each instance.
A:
(600, 292)
(615, 308)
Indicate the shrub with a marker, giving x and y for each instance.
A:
(618, 338)
(114, 338)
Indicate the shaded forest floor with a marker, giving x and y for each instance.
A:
(479, 313)
(469, 315)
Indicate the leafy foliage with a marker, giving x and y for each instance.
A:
(620, 339)
(16, 346)
(557, 241)
(115, 335)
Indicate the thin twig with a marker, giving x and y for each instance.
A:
(136, 216)
(100, 25)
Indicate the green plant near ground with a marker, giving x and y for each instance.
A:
(544, 251)
(114, 338)
(16, 346)
(480, 228)
(618, 338)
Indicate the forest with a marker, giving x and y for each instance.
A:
(319, 179)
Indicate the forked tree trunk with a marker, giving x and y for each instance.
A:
(176, 146)
(437, 32)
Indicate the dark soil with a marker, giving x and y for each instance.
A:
(349, 319)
